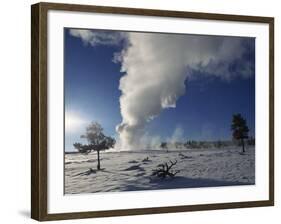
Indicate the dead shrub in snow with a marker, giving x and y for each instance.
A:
(165, 170)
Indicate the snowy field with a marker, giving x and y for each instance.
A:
(130, 171)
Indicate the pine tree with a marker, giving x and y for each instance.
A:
(239, 129)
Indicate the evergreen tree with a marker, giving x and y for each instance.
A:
(239, 129)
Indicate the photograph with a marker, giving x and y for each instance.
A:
(154, 111)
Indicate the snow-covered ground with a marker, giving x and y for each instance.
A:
(127, 171)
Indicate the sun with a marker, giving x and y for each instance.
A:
(73, 122)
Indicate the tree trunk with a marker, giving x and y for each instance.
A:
(243, 145)
(98, 166)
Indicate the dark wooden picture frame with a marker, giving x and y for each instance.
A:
(39, 105)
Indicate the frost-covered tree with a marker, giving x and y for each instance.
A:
(239, 129)
(164, 146)
(97, 141)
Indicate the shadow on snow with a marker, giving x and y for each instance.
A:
(182, 182)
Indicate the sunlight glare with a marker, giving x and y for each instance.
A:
(73, 122)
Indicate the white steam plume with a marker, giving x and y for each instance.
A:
(156, 67)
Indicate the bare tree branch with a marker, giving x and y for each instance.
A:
(164, 170)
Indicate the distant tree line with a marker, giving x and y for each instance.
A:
(240, 137)
(194, 144)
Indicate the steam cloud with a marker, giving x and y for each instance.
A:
(98, 37)
(156, 67)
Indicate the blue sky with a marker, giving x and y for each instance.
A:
(203, 112)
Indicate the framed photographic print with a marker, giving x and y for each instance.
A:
(138, 111)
